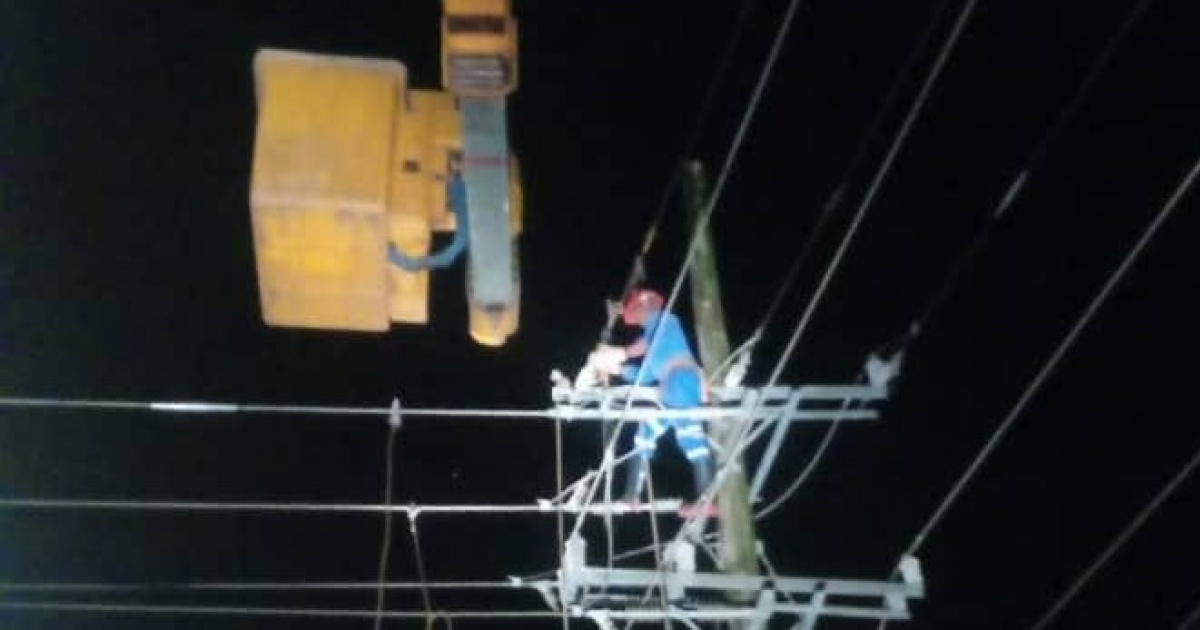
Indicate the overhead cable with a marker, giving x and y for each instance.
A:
(208, 407)
(702, 113)
(745, 432)
(815, 459)
(1192, 621)
(699, 229)
(385, 546)
(419, 562)
(964, 261)
(873, 189)
(838, 196)
(257, 611)
(250, 586)
(1113, 547)
(1051, 363)
(1067, 342)
(143, 505)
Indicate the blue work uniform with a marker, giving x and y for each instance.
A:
(670, 365)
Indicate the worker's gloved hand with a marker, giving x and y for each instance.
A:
(587, 378)
(608, 359)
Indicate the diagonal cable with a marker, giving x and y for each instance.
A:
(1068, 341)
(742, 440)
(1168, 488)
(385, 550)
(700, 226)
(426, 600)
(702, 113)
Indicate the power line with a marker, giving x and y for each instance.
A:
(254, 611)
(1035, 385)
(700, 225)
(838, 196)
(139, 505)
(210, 407)
(567, 412)
(723, 176)
(558, 514)
(385, 547)
(1118, 542)
(1089, 80)
(877, 182)
(307, 585)
(1051, 363)
(743, 439)
(1192, 621)
(419, 561)
(826, 440)
(964, 261)
(638, 268)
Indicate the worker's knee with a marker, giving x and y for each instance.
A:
(689, 429)
(696, 452)
(692, 441)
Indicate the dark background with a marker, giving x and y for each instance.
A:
(126, 271)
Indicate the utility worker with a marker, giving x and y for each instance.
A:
(671, 366)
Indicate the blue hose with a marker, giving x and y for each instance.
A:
(456, 194)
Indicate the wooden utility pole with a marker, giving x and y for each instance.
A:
(738, 542)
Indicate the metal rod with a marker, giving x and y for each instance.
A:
(1060, 351)
(716, 581)
(769, 455)
(19, 587)
(252, 611)
(136, 505)
(1117, 543)
(208, 407)
(564, 412)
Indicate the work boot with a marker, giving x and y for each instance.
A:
(635, 476)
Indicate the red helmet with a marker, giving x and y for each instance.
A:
(638, 304)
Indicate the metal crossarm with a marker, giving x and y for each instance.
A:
(808, 599)
(665, 506)
(787, 404)
(606, 595)
(910, 588)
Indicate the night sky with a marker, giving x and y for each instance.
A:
(127, 271)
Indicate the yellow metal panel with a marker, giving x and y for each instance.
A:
(409, 300)
(440, 111)
(410, 162)
(477, 7)
(516, 197)
(319, 191)
(408, 215)
(447, 126)
(311, 265)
